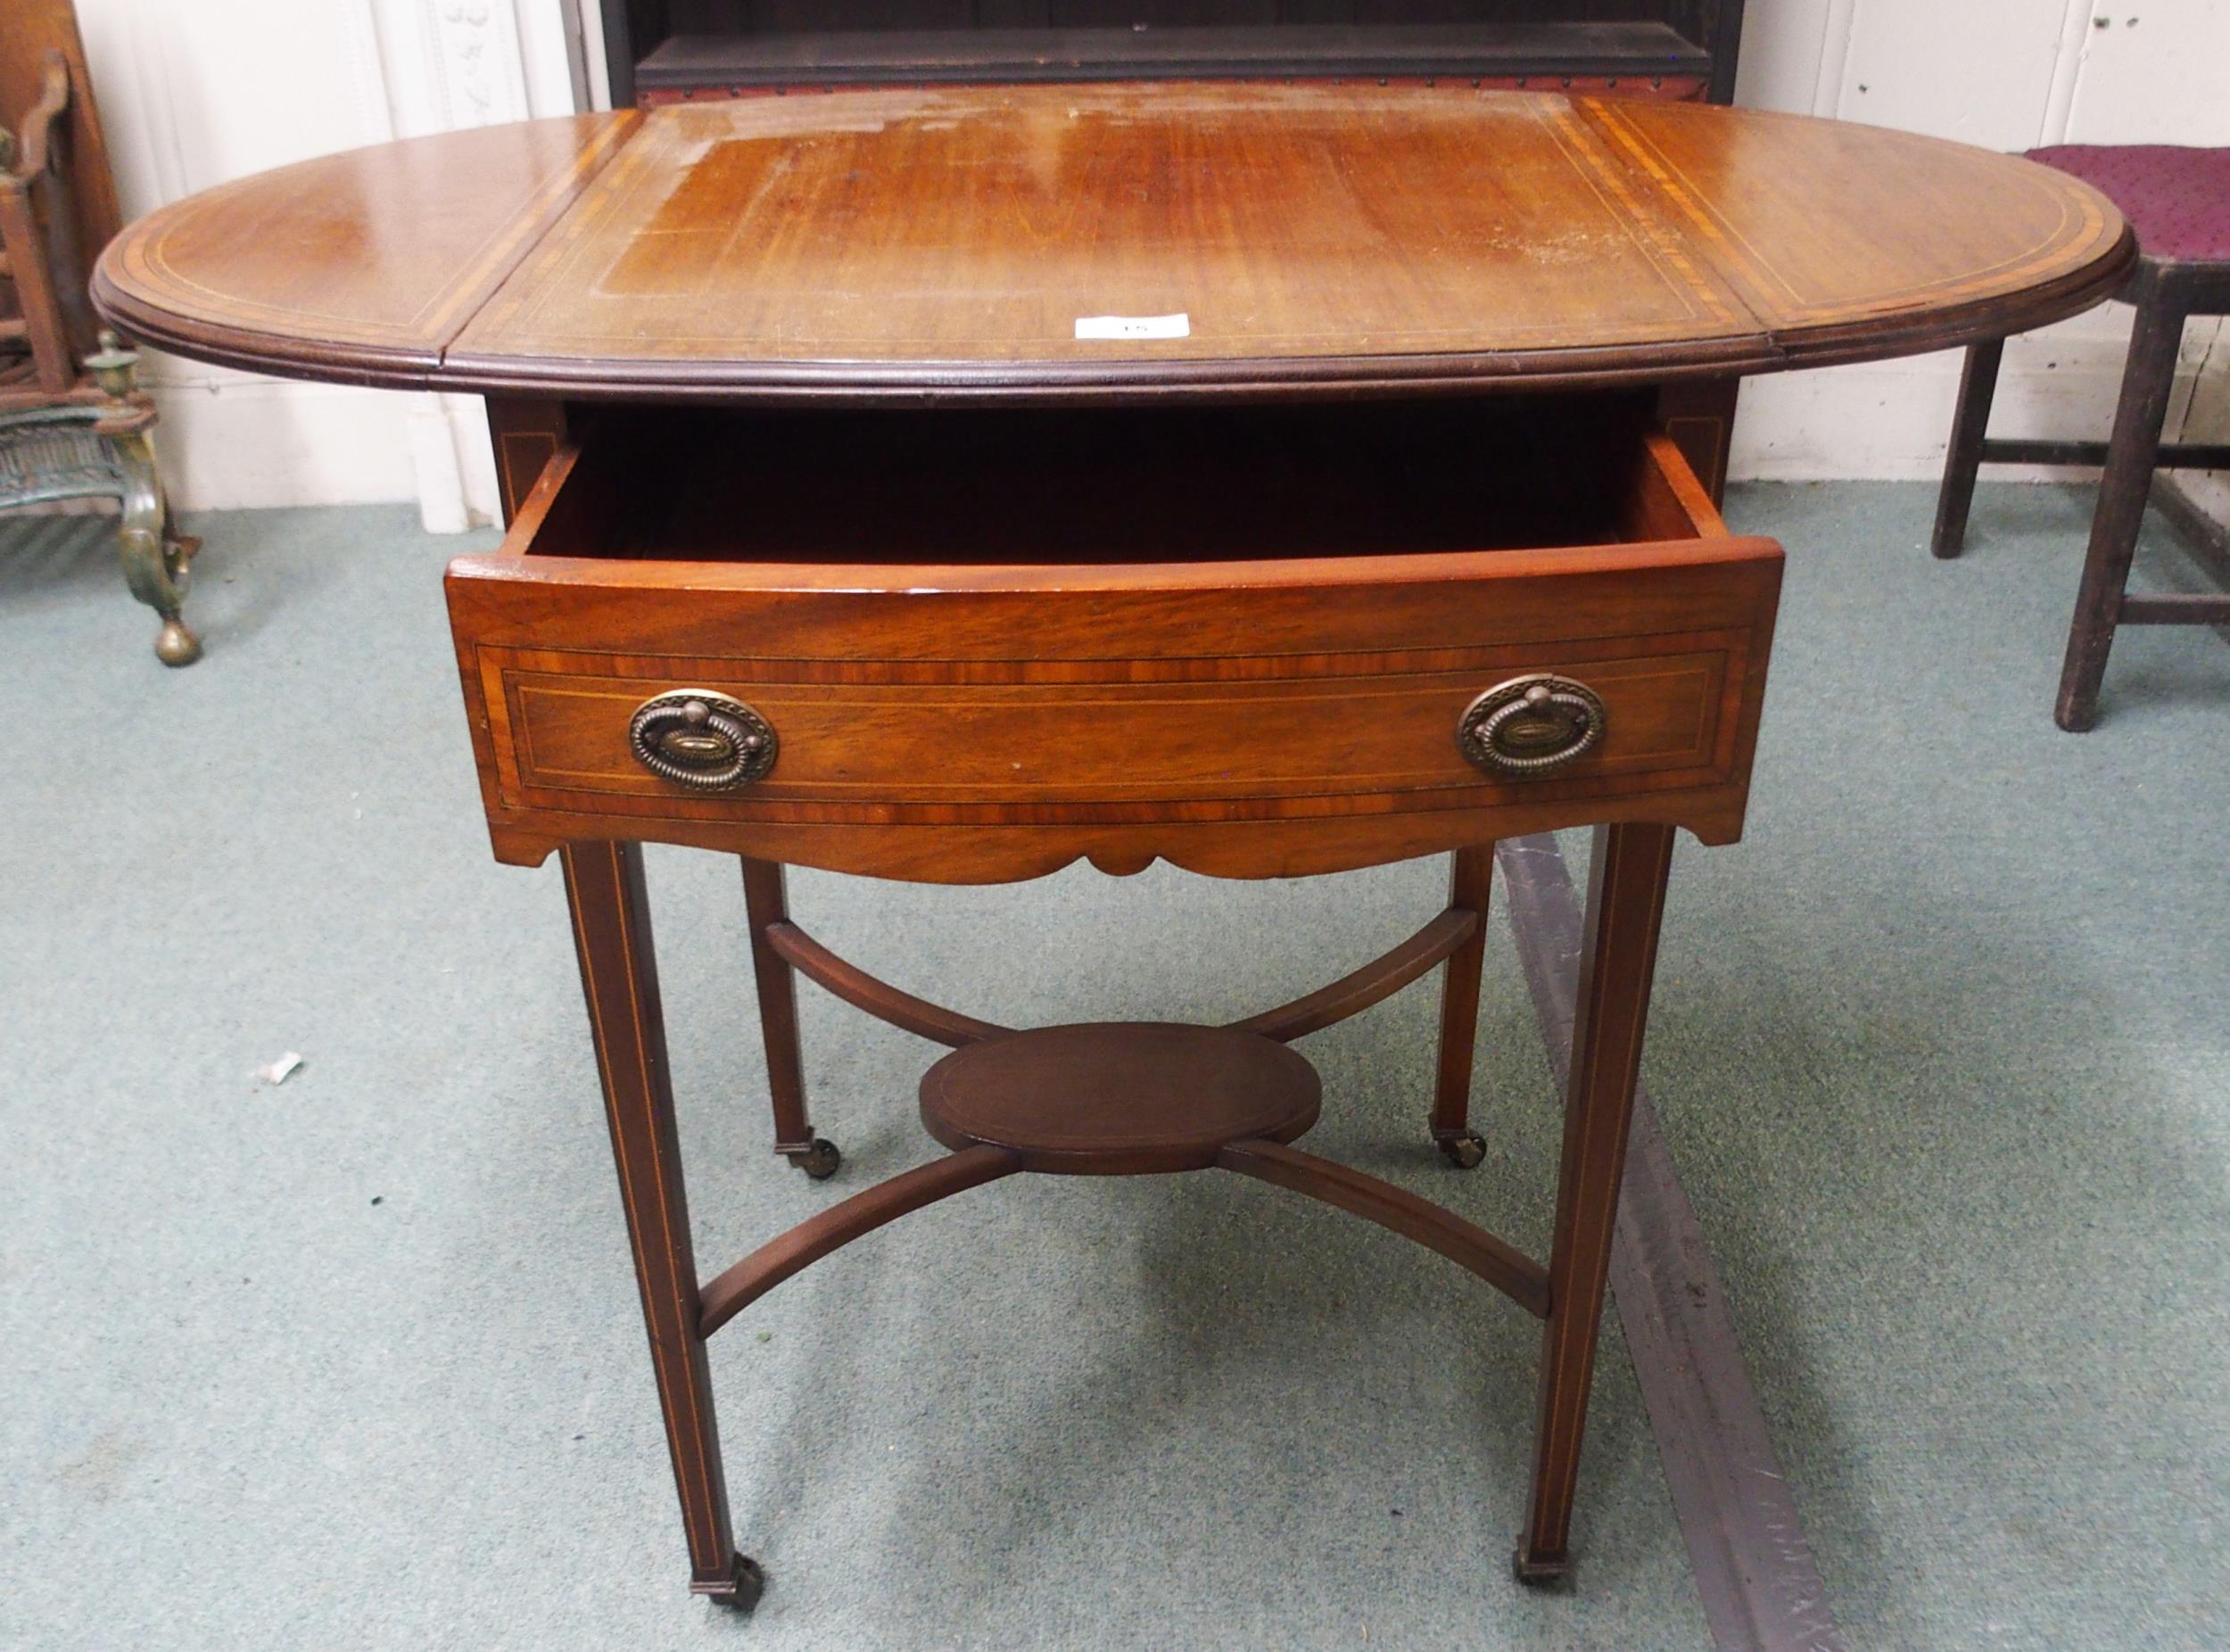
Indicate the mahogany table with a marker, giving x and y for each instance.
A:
(1270, 479)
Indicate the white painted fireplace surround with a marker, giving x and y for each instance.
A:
(194, 92)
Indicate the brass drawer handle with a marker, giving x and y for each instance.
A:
(697, 738)
(1531, 725)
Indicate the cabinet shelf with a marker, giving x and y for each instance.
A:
(1639, 50)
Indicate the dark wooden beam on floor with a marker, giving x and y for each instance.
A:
(1761, 1590)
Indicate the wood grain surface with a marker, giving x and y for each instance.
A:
(359, 266)
(893, 245)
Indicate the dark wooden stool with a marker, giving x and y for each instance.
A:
(2178, 201)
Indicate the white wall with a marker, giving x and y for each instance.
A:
(197, 91)
(2008, 75)
(194, 92)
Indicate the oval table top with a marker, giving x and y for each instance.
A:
(1236, 239)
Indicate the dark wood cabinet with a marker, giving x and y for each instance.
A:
(670, 51)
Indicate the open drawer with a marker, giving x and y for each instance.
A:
(972, 646)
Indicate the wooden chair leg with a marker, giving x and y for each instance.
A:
(619, 979)
(2131, 452)
(1625, 903)
(1978, 386)
(766, 905)
(1471, 884)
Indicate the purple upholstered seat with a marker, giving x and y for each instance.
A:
(2178, 199)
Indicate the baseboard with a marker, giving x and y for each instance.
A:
(2206, 537)
(232, 441)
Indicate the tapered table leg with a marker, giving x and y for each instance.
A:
(1626, 904)
(619, 979)
(1962, 457)
(766, 903)
(1470, 886)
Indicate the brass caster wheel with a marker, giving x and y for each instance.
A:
(176, 646)
(742, 1593)
(1465, 1152)
(819, 1160)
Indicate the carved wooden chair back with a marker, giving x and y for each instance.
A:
(58, 204)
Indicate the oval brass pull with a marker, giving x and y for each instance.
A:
(701, 739)
(1531, 725)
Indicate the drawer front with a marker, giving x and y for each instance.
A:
(1224, 729)
(1300, 714)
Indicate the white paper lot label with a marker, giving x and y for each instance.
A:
(1179, 326)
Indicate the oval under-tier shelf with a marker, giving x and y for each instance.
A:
(1120, 1098)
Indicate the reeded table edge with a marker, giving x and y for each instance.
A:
(278, 354)
(1607, 367)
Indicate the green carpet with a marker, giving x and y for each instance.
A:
(356, 1361)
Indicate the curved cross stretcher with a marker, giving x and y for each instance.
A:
(1144, 1098)
(1456, 937)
